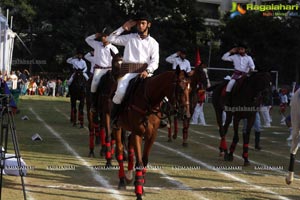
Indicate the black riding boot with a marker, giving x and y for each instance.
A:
(93, 102)
(257, 140)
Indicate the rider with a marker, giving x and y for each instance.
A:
(243, 64)
(78, 64)
(179, 58)
(102, 60)
(141, 54)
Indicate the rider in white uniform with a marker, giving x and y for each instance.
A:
(102, 60)
(141, 54)
(78, 64)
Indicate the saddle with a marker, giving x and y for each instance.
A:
(132, 86)
(236, 88)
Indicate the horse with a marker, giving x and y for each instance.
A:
(295, 120)
(141, 115)
(195, 80)
(246, 97)
(77, 92)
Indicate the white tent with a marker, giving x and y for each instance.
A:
(7, 37)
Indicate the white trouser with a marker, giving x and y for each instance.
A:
(98, 73)
(72, 77)
(264, 110)
(198, 114)
(122, 86)
(295, 120)
(230, 85)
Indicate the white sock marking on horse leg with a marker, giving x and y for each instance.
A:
(114, 193)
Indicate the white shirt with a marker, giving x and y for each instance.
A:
(14, 79)
(78, 64)
(137, 50)
(102, 54)
(241, 63)
(176, 60)
(91, 59)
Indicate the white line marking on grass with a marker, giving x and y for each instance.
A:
(178, 184)
(114, 193)
(230, 176)
(217, 137)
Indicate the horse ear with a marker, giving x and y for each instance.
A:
(112, 53)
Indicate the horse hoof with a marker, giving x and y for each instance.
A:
(185, 144)
(290, 178)
(108, 164)
(287, 181)
(246, 163)
(91, 155)
(139, 197)
(169, 140)
(122, 184)
(258, 148)
(174, 136)
(228, 157)
(222, 154)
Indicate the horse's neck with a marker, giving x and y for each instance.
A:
(160, 86)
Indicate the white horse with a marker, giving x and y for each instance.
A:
(295, 120)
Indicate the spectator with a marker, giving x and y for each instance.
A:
(265, 108)
(198, 112)
(283, 104)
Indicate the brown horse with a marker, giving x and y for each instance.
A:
(198, 78)
(141, 116)
(100, 120)
(246, 97)
(77, 92)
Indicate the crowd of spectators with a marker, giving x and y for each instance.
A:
(27, 84)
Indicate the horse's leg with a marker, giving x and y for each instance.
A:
(223, 144)
(129, 174)
(91, 135)
(235, 139)
(246, 138)
(74, 112)
(80, 112)
(169, 129)
(118, 136)
(175, 128)
(224, 132)
(147, 148)
(185, 130)
(108, 155)
(295, 118)
(139, 167)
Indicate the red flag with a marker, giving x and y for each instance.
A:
(198, 59)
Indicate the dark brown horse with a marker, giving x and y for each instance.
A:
(141, 115)
(246, 97)
(100, 120)
(77, 93)
(198, 78)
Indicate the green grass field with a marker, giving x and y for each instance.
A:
(64, 146)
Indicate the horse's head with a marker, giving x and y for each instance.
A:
(199, 79)
(181, 93)
(116, 63)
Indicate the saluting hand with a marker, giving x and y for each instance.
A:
(129, 24)
(233, 50)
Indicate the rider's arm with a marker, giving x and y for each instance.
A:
(70, 60)
(227, 57)
(171, 58)
(251, 64)
(89, 57)
(118, 39)
(154, 57)
(91, 41)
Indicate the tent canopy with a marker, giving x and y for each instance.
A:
(6, 46)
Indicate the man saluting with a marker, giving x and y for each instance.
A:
(141, 54)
